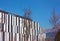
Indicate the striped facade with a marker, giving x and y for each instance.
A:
(14, 27)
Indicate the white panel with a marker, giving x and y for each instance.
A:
(7, 23)
(13, 36)
(6, 36)
(14, 20)
(4, 28)
(14, 29)
(20, 25)
(17, 37)
(30, 31)
(14, 26)
(23, 22)
(29, 38)
(21, 28)
(1, 36)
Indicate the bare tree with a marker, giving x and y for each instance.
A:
(54, 19)
(27, 15)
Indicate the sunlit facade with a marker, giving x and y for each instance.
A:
(13, 28)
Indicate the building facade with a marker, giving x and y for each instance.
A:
(17, 28)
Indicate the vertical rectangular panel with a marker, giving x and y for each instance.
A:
(32, 37)
(10, 23)
(0, 21)
(7, 22)
(17, 24)
(17, 21)
(3, 17)
(23, 26)
(30, 30)
(29, 38)
(6, 36)
(33, 30)
(4, 28)
(30, 33)
(1, 36)
(13, 23)
(10, 36)
(13, 36)
(0, 16)
(37, 31)
(36, 28)
(14, 20)
(15, 29)
(17, 37)
(3, 22)
(20, 25)
(23, 37)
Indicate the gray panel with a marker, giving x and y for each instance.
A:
(1, 36)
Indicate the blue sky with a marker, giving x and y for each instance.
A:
(41, 9)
